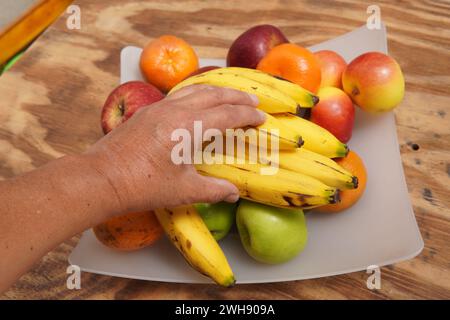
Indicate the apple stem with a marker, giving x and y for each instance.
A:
(121, 108)
(355, 91)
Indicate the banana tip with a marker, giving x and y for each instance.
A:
(346, 150)
(300, 142)
(355, 182)
(230, 283)
(315, 100)
(336, 197)
(302, 112)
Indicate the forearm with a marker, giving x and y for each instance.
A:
(129, 169)
(41, 209)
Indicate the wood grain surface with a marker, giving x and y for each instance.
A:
(51, 100)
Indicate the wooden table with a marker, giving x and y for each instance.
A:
(51, 101)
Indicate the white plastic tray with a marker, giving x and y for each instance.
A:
(379, 230)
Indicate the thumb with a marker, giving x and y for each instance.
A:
(214, 190)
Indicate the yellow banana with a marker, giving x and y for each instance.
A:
(264, 134)
(317, 166)
(189, 234)
(277, 187)
(303, 97)
(315, 138)
(301, 161)
(270, 100)
(288, 139)
(271, 129)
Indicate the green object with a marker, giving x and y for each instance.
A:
(269, 234)
(218, 217)
(11, 62)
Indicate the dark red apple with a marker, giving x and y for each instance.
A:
(251, 46)
(201, 70)
(334, 112)
(125, 100)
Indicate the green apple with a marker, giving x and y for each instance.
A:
(269, 234)
(218, 217)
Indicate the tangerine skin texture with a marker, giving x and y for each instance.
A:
(130, 232)
(294, 63)
(353, 163)
(166, 61)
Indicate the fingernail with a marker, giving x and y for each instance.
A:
(254, 99)
(262, 114)
(232, 198)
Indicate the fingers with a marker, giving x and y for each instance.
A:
(203, 96)
(187, 91)
(212, 190)
(231, 116)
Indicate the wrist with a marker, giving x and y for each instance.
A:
(88, 180)
(97, 178)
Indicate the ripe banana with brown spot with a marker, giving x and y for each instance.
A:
(303, 97)
(270, 99)
(319, 167)
(276, 187)
(187, 231)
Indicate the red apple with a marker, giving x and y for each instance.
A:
(202, 70)
(251, 46)
(374, 81)
(334, 112)
(332, 65)
(125, 100)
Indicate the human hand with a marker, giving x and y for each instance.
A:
(135, 158)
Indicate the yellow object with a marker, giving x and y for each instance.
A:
(272, 186)
(187, 231)
(305, 162)
(315, 138)
(319, 167)
(29, 26)
(270, 99)
(303, 97)
(287, 139)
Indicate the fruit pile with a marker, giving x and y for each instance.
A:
(307, 97)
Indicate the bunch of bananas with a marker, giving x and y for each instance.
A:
(307, 177)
